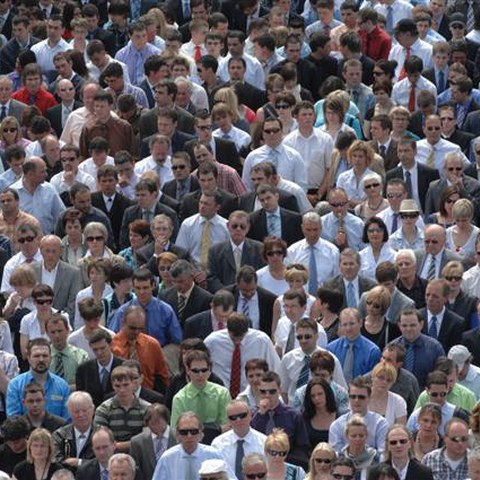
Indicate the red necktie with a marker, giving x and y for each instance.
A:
(403, 73)
(235, 372)
(411, 98)
(197, 54)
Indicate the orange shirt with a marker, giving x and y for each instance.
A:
(149, 354)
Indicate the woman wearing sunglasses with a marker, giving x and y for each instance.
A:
(399, 454)
(372, 185)
(277, 446)
(272, 277)
(409, 235)
(320, 462)
(444, 216)
(11, 134)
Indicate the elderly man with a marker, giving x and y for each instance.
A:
(121, 466)
(37, 197)
(159, 160)
(468, 374)
(254, 465)
(73, 442)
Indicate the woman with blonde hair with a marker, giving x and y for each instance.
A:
(39, 464)
(384, 402)
(242, 116)
(277, 446)
(334, 111)
(322, 457)
(160, 21)
(11, 133)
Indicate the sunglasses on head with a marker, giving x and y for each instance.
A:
(237, 416)
(28, 239)
(189, 431)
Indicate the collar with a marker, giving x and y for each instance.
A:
(108, 366)
(188, 292)
(78, 432)
(54, 270)
(237, 246)
(438, 315)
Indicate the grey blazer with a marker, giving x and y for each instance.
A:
(16, 109)
(67, 284)
(447, 256)
(336, 283)
(399, 303)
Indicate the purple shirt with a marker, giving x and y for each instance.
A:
(134, 60)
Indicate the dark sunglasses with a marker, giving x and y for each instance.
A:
(199, 370)
(270, 391)
(282, 106)
(98, 238)
(432, 129)
(188, 431)
(204, 127)
(253, 476)
(271, 130)
(238, 225)
(438, 394)
(409, 215)
(179, 167)
(372, 185)
(374, 230)
(277, 453)
(323, 460)
(10, 130)
(44, 301)
(339, 476)
(306, 337)
(402, 441)
(28, 239)
(453, 278)
(338, 204)
(458, 439)
(237, 416)
(357, 397)
(455, 169)
(274, 252)
(68, 159)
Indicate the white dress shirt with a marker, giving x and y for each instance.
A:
(18, 259)
(60, 186)
(298, 192)
(471, 281)
(401, 91)
(235, 135)
(44, 53)
(253, 75)
(164, 170)
(419, 48)
(88, 166)
(368, 262)
(48, 277)
(442, 147)
(353, 184)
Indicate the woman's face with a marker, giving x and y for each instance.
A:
(406, 266)
(463, 223)
(322, 461)
(9, 133)
(276, 454)
(398, 443)
(374, 308)
(357, 437)
(428, 423)
(381, 96)
(97, 276)
(284, 109)
(164, 270)
(296, 282)
(382, 382)
(136, 240)
(96, 243)
(39, 450)
(375, 234)
(454, 280)
(399, 123)
(273, 92)
(25, 291)
(317, 395)
(331, 117)
(275, 256)
(373, 188)
(359, 160)
(449, 201)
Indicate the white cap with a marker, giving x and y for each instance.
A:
(459, 354)
(213, 466)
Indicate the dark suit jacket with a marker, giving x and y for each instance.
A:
(170, 188)
(471, 339)
(89, 470)
(465, 306)
(425, 176)
(179, 139)
(115, 215)
(16, 109)
(429, 74)
(146, 256)
(148, 92)
(472, 171)
(416, 124)
(87, 379)
(199, 325)
(225, 152)
(148, 122)
(417, 471)
(142, 450)
(54, 114)
(239, 19)
(7, 26)
(450, 333)
(221, 263)
(189, 205)
(249, 94)
(66, 447)
(285, 200)
(367, 69)
(150, 396)
(336, 283)
(290, 221)
(266, 299)
(472, 123)
(462, 139)
(391, 158)
(135, 212)
(305, 72)
(198, 301)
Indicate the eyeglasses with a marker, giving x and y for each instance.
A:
(339, 476)
(277, 453)
(179, 167)
(282, 106)
(453, 278)
(188, 431)
(395, 195)
(456, 169)
(372, 185)
(438, 394)
(402, 441)
(457, 26)
(304, 337)
(237, 416)
(68, 159)
(432, 129)
(271, 131)
(272, 253)
(458, 439)
(199, 370)
(357, 397)
(98, 238)
(204, 127)
(44, 301)
(164, 269)
(338, 204)
(10, 130)
(28, 239)
(375, 230)
(409, 215)
(253, 476)
(241, 226)
(323, 460)
(372, 304)
(269, 391)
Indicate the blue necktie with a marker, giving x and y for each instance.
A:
(395, 222)
(351, 299)
(304, 373)
(409, 362)
(408, 183)
(273, 225)
(313, 274)
(441, 81)
(433, 331)
(389, 19)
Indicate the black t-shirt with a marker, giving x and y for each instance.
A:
(9, 459)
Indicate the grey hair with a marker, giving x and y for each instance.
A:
(371, 176)
(408, 252)
(179, 80)
(123, 457)
(181, 267)
(452, 156)
(92, 226)
(62, 474)
(312, 217)
(80, 397)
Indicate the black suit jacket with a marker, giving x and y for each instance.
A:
(249, 94)
(87, 378)
(450, 333)
(145, 255)
(471, 339)
(305, 73)
(290, 221)
(54, 114)
(266, 299)
(198, 301)
(336, 283)
(148, 92)
(225, 152)
(179, 139)
(66, 447)
(170, 188)
(324, 68)
(429, 74)
(7, 26)
(367, 69)
(239, 19)
(417, 471)
(285, 200)
(425, 176)
(390, 160)
(189, 205)
(462, 139)
(88, 470)
(120, 204)
(472, 171)
(198, 326)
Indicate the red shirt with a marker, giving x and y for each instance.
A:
(376, 44)
(43, 99)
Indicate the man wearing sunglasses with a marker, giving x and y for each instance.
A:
(254, 467)
(241, 440)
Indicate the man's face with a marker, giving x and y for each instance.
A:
(238, 228)
(99, 157)
(406, 266)
(166, 126)
(183, 283)
(207, 207)
(406, 39)
(435, 298)
(143, 290)
(395, 195)
(102, 109)
(29, 243)
(293, 310)
(121, 470)
(390, 357)
(159, 151)
(349, 268)
(441, 59)
(18, 445)
(378, 133)
(432, 130)
(145, 198)
(339, 203)
(236, 70)
(293, 51)
(221, 314)
(202, 155)
(66, 91)
(272, 134)
(39, 359)
(124, 389)
(405, 152)
(82, 201)
(350, 326)
(437, 393)
(134, 324)
(102, 351)
(269, 201)
(34, 403)
(456, 440)
(139, 39)
(117, 84)
(311, 232)
(88, 95)
(271, 392)
(102, 446)
(307, 339)
(180, 169)
(358, 399)
(52, 149)
(434, 240)
(107, 184)
(235, 47)
(58, 334)
(207, 181)
(259, 178)
(162, 97)
(189, 433)
(157, 425)
(353, 76)
(6, 89)
(161, 228)
(63, 68)
(306, 118)
(448, 121)
(453, 169)
(99, 59)
(33, 83)
(8, 202)
(247, 289)
(184, 95)
(82, 415)
(437, 7)
(198, 372)
(239, 418)
(213, 47)
(410, 327)
(20, 32)
(54, 30)
(203, 129)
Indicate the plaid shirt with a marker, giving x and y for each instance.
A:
(440, 467)
(228, 179)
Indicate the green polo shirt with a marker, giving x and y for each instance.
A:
(460, 396)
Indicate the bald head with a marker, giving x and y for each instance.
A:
(434, 239)
(51, 250)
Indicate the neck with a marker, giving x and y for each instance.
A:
(409, 281)
(400, 463)
(11, 215)
(306, 131)
(40, 377)
(30, 186)
(127, 402)
(104, 364)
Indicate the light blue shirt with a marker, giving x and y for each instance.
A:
(447, 413)
(129, 56)
(6, 179)
(44, 204)
(353, 227)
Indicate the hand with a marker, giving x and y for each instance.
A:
(200, 277)
(159, 246)
(313, 198)
(69, 178)
(263, 405)
(71, 462)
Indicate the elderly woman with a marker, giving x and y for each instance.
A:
(39, 464)
(399, 454)
(375, 326)
(389, 405)
(334, 112)
(138, 235)
(11, 133)
(277, 446)
(272, 276)
(372, 185)
(409, 282)
(375, 234)
(427, 438)
(321, 459)
(357, 450)
(327, 310)
(458, 301)
(448, 198)
(462, 235)
(360, 157)
(409, 235)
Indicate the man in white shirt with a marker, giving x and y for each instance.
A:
(241, 440)
(158, 161)
(99, 59)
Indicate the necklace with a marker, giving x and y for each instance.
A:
(374, 208)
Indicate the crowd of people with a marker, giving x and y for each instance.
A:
(240, 240)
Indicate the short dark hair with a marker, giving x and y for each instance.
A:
(334, 298)
(99, 335)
